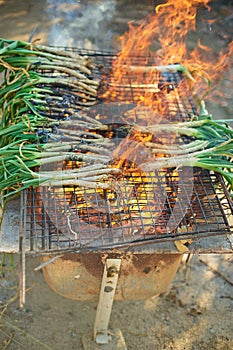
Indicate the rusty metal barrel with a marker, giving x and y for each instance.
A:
(78, 276)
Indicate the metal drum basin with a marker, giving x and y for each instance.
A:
(78, 276)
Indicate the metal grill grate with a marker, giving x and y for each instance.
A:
(141, 206)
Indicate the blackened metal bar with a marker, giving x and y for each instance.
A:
(32, 218)
(109, 220)
(22, 256)
(226, 193)
(221, 181)
(43, 209)
(49, 221)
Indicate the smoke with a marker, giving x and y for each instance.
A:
(85, 24)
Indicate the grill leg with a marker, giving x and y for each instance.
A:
(22, 255)
(102, 335)
(22, 279)
(104, 308)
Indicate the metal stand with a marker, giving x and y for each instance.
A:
(103, 338)
(22, 255)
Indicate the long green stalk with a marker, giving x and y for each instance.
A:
(41, 83)
(212, 148)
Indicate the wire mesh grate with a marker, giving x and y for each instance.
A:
(140, 205)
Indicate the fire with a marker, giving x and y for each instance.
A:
(149, 50)
(161, 39)
(140, 200)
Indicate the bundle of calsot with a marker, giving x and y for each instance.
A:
(209, 146)
(44, 95)
(44, 99)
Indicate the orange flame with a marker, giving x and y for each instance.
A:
(162, 37)
(159, 40)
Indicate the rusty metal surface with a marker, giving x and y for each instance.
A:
(78, 276)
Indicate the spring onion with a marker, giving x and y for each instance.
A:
(211, 146)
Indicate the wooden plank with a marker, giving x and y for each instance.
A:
(106, 297)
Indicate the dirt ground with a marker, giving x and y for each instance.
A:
(194, 313)
(196, 310)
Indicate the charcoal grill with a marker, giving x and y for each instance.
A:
(182, 204)
(192, 206)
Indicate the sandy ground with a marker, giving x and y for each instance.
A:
(194, 313)
(196, 310)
